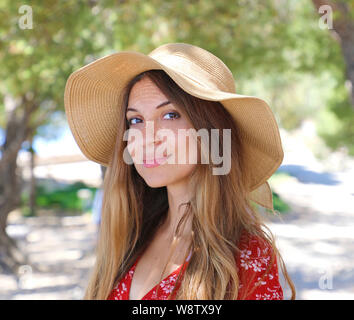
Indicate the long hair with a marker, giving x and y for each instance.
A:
(219, 210)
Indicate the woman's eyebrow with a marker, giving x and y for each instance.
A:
(159, 106)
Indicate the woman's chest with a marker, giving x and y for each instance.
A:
(152, 268)
(147, 278)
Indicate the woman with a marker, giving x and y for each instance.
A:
(177, 229)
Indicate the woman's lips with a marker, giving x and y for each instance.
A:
(155, 162)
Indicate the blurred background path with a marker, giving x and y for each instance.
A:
(61, 252)
(316, 236)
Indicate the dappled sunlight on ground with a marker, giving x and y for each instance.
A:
(61, 254)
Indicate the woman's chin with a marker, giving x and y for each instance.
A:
(164, 175)
(155, 184)
(156, 180)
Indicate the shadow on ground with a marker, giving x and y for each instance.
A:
(305, 175)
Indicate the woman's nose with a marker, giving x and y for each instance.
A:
(152, 134)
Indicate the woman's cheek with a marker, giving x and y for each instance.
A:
(135, 146)
(186, 147)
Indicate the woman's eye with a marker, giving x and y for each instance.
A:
(172, 115)
(133, 121)
(168, 116)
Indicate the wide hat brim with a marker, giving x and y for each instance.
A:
(93, 95)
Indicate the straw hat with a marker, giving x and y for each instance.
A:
(93, 96)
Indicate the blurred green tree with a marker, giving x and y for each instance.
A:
(342, 29)
(36, 62)
(340, 107)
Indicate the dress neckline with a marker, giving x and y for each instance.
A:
(149, 292)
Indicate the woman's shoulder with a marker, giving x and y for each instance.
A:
(254, 246)
(258, 269)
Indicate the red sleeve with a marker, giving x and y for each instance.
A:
(258, 274)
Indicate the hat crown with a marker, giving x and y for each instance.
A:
(197, 64)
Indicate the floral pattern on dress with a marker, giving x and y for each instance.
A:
(252, 263)
(121, 289)
(256, 273)
(168, 284)
(159, 292)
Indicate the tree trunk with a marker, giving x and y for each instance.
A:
(10, 256)
(343, 26)
(17, 130)
(32, 189)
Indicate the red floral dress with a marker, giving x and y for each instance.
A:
(258, 279)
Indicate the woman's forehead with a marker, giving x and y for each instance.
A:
(145, 94)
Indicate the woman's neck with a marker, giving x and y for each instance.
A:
(178, 196)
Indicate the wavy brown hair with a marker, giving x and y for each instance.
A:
(219, 210)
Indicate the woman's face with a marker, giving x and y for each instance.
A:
(165, 159)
